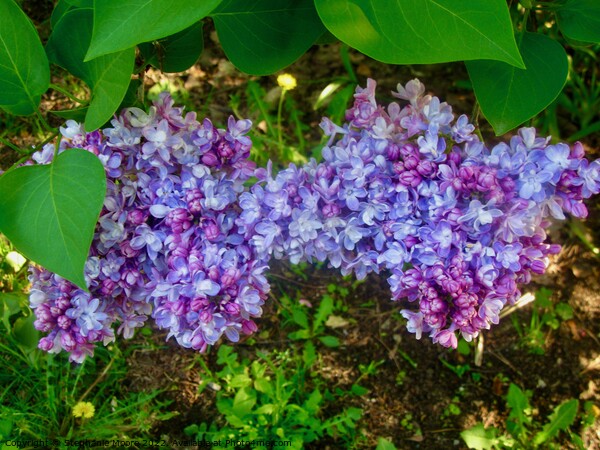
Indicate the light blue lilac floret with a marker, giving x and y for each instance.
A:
(402, 190)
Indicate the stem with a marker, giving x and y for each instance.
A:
(279, 133)
(523, 27)
(27, 153)
(252, 88)
(68, 94)
(345, 56)
(45, 124)
(475, 118)
(45, 141)
(93, 385)
(11, 145)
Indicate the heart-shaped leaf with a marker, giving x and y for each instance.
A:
(177, 52)
(261, 37)
(24, 68)
(509, 96)
(49, 212)
(107, 76)
(126, 23)
(580, 20)
(423, 31)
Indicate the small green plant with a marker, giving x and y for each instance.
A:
(267, 109)
(15, 315)
(545, 316)
(296, 313)
(46, 397)
(524, 432)
(272, 398)
(13, 268)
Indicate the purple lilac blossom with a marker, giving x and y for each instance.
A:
(167, 245)
(405, 189)
(410, 190)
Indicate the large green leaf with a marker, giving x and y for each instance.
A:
(126, 23)
(24, 68)
(509, 96)
(261, 37)
(177, 52)
(580, 20)
(49, 211)
(107, 76)
(423, 31)
(64, 6)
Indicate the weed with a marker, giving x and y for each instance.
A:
(272, 399)
(266, 109)
(40, 396)
(524, 431)
(294, 312)
(545, 316)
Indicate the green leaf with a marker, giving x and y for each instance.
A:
(126, 23)
(564, 311)
(268, 409)
(359, 390)
(24, 68)
(330, 341)
(49, 212)
(77, 114)
(10, 305)
(353, 413)
(108, 76)
(25, 333)
(519, 406)
(313, 401)
(243, 402)
(177, 52)
(423, 31)
(263, 385)
(261, 37)
(561, 419)
(579, 19)
(325, 309)
(384, 444)
(240, 380)
(6, 426)
(64, 6)
(479, 437)
(300, 318)
(509, 96)
(300, 334)
(309, 355)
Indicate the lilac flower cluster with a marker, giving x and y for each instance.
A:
(413, 191)
(409, 190)
(167, 244)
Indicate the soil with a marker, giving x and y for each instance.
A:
(415, 400)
